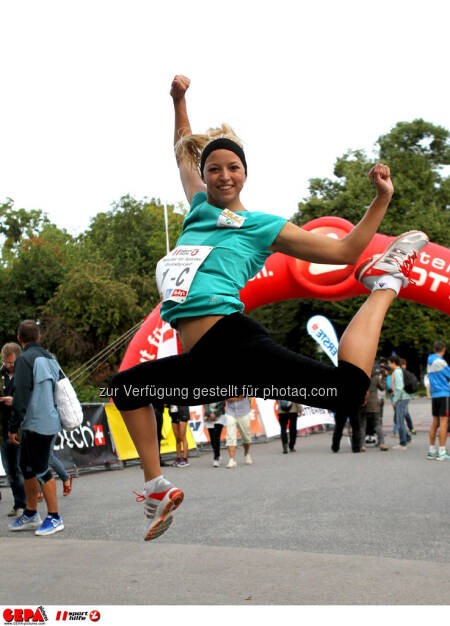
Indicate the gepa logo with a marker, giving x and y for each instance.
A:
(25, 616)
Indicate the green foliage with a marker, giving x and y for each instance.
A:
(16, 224)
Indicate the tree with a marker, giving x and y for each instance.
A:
(16, 225)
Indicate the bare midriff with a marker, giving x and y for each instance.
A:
(191, 329)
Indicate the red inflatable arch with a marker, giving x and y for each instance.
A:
(284, 278)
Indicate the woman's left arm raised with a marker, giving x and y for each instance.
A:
(316, 248)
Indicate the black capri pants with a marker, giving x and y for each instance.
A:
(237, 356)
(34, 455)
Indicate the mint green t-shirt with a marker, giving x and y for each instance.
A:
(238, 254)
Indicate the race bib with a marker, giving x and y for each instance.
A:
(176, 271)
(229, 219)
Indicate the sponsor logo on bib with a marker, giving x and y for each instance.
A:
(228, 219)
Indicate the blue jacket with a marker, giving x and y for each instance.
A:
(439, 376)
(35, 374)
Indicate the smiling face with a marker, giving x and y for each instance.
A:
(224, 175)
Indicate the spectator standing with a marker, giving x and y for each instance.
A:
(288, 412)
(180, 417)
(9, 451)
(439, 376)
(400, 400)
(340, 419)
(36, 372)
(408, 417)
(371, 410)
(215, 420)
(238, 413)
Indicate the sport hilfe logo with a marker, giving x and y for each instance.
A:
(25, 616)
(71, 616)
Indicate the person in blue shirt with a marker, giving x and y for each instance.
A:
(221, 247)
(439, 376)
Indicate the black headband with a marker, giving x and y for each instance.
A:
(223, 144)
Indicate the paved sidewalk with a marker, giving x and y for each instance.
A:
(311, 527)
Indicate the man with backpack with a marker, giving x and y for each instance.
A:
(34, 410)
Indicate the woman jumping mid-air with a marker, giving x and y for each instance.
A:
(222, 246)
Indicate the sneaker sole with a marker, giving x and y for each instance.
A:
(160, 527)
(26, 527)
(57, 529)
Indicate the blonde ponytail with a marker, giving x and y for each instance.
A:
(190, 147)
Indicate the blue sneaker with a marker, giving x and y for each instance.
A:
(443, 457)
(23, 522)
(432, 455)
(50, 525)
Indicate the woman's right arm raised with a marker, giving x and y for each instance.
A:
(190, 177)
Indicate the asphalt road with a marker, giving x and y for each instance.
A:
(307, 528)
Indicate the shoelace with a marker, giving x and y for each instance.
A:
(407, 265)
(150, 506)
(140, 496)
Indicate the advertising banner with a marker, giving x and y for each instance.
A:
(269, 417)
(312, 416)
(90, 444)
(123, 444)
(197, 425)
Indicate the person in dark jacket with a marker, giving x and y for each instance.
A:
(9, 451)
(215, 420)
(370, 411)
(288, 412)
(180, 417)
(34, 410)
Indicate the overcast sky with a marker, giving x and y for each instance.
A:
(86, 117)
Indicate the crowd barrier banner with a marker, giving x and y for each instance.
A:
(268, 417)
(88, 445)
(197, 424)
(312, 416)
(123, 443)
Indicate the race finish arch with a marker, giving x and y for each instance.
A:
(285, 278)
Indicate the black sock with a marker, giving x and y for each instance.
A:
(30, 512)
(55, 515)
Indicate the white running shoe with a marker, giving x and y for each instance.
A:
(248, 459)
(159, 505)
(231, 463)
(398, 260)
(216, 463)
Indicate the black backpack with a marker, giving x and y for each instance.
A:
(410, 382)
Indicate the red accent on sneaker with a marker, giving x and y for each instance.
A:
(407, 265)
(156, 496)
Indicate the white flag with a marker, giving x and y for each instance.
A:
(321, 329)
